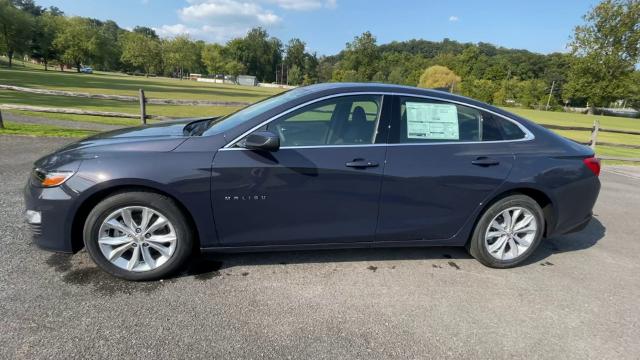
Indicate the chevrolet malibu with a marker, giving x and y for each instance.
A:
(323, 166)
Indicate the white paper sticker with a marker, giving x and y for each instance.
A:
(432, 121)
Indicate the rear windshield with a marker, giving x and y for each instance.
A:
(234, 119)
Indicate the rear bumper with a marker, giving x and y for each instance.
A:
(574, 203)
(579, 226)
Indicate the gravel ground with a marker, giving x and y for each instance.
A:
(576, 299)
(69, 124)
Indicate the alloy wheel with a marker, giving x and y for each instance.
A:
(511, 233)
(137, 238)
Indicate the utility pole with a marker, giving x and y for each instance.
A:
(553, 84)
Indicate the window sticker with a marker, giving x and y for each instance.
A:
(432, 121)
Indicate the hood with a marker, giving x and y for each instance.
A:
(160, 137)
(163, 136)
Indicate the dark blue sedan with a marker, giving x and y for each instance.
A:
(323, 166)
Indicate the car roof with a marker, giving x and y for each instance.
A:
(369, 86)
(346, 87)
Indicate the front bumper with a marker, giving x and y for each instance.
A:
(55, 208)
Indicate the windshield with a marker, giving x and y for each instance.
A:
(234, 119)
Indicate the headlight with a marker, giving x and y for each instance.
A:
(51, 178)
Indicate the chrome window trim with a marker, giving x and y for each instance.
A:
(528, 135)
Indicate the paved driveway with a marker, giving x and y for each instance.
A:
(578, 298)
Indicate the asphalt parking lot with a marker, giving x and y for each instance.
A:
(578, 298)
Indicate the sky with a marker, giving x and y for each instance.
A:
(542, 26)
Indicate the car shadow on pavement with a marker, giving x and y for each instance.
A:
(205, 265)
(79, 270)
(577, 241)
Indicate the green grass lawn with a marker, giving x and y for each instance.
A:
(574, 119)
(109, 83)
(11, 128)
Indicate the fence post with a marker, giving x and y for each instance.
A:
(1, 122)
(143, 107)
(594, 134)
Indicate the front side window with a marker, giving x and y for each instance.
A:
(346, 120)
(432, 121)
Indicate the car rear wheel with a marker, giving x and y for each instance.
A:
(508, 232)
(138, 236)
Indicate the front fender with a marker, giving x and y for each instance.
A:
(186, 178)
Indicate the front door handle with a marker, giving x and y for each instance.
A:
(361, 163)
(485, 161)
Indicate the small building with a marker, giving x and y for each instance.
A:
(247, 80)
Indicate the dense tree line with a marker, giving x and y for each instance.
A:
(600, 69)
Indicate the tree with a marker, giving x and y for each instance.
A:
(295, 53)
(108, 52)
(361, 55)
(295, 76)
(142, 51)
(234, 68)
(324, 69)
(531, 92)
(396, 76)
(29, 6)
(146, 31)
(482, 90)
(634, 97)
(259, 53)
(15, 29)
(213, 59)
(438, 77)
(606, 50)
(310, 69)
(53, 10)
(78, 41)
(46, 29)
(181, 53)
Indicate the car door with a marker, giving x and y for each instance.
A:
(322, 186)
(443, 161)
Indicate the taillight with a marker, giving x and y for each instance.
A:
(593, 163)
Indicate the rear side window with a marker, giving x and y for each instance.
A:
(432, 121)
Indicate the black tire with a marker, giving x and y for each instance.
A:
(160, 203)
(476, 245)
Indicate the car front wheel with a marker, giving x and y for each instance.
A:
(508, 232)
(138, 236)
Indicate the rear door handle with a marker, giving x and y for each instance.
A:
(485, 161)
(360, 163)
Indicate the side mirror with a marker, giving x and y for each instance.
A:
(262, 140)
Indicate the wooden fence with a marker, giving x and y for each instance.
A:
(153, 101)
(595, 131)
(143, 116)
(141, 99)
